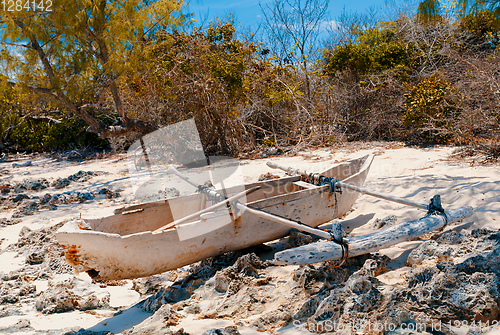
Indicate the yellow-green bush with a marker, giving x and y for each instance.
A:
(375, 50)
(430, 108)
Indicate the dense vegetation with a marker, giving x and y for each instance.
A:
(429, 78)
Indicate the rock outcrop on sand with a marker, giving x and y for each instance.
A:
(448, 280)
(455, 282)
(25, 198)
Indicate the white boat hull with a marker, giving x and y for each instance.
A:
(124, 246)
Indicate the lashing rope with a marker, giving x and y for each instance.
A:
(345, 251)
(211, 194)
(435, 207)
(217, 197)
(334, 187)
(319, 180)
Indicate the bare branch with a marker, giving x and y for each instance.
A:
(36, 46)
(17, 45)
(90, 106)
(43, 117)
(36, 89)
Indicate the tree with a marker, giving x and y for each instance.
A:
(293, 27)
(202, 74)
(76, 50)
(430, 9)
(374, 50)
(479, 18)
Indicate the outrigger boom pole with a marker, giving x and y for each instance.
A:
(353, 187)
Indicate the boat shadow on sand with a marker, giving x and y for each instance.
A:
(122, 320)
(179, 291)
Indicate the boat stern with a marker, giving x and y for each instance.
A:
(71, 247)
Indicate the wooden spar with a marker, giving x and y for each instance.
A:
(208, 209)
(359, 245)
(262, 214)
(355, 188)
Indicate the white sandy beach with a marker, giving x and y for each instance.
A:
(413, 173)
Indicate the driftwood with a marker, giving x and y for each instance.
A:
(359, 245)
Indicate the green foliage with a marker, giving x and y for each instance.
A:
(375, 50)
(45, 133)
(221, 33)
(227, 59)
(24, 128)
(270, 142)
(68, 30)
(391, 55)
(215, 54)
(203, 74)
(239, 97)
(357, 58)
(428, 105)
(484, 26)
(76, 52)
(213, 76)
(430, 11)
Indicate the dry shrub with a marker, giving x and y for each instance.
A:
(477, 78)
(370, 109)
(448, 93)
(196, 75)
(282, 113)
(242, 100)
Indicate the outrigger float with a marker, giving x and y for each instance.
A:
(337, 247)
(145, 239)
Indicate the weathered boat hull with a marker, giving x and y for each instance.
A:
(124, 246)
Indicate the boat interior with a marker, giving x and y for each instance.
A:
(154, 215)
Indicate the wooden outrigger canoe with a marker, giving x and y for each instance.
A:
(129, 243)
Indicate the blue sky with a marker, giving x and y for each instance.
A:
(248, 13)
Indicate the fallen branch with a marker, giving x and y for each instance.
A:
(270, 132)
